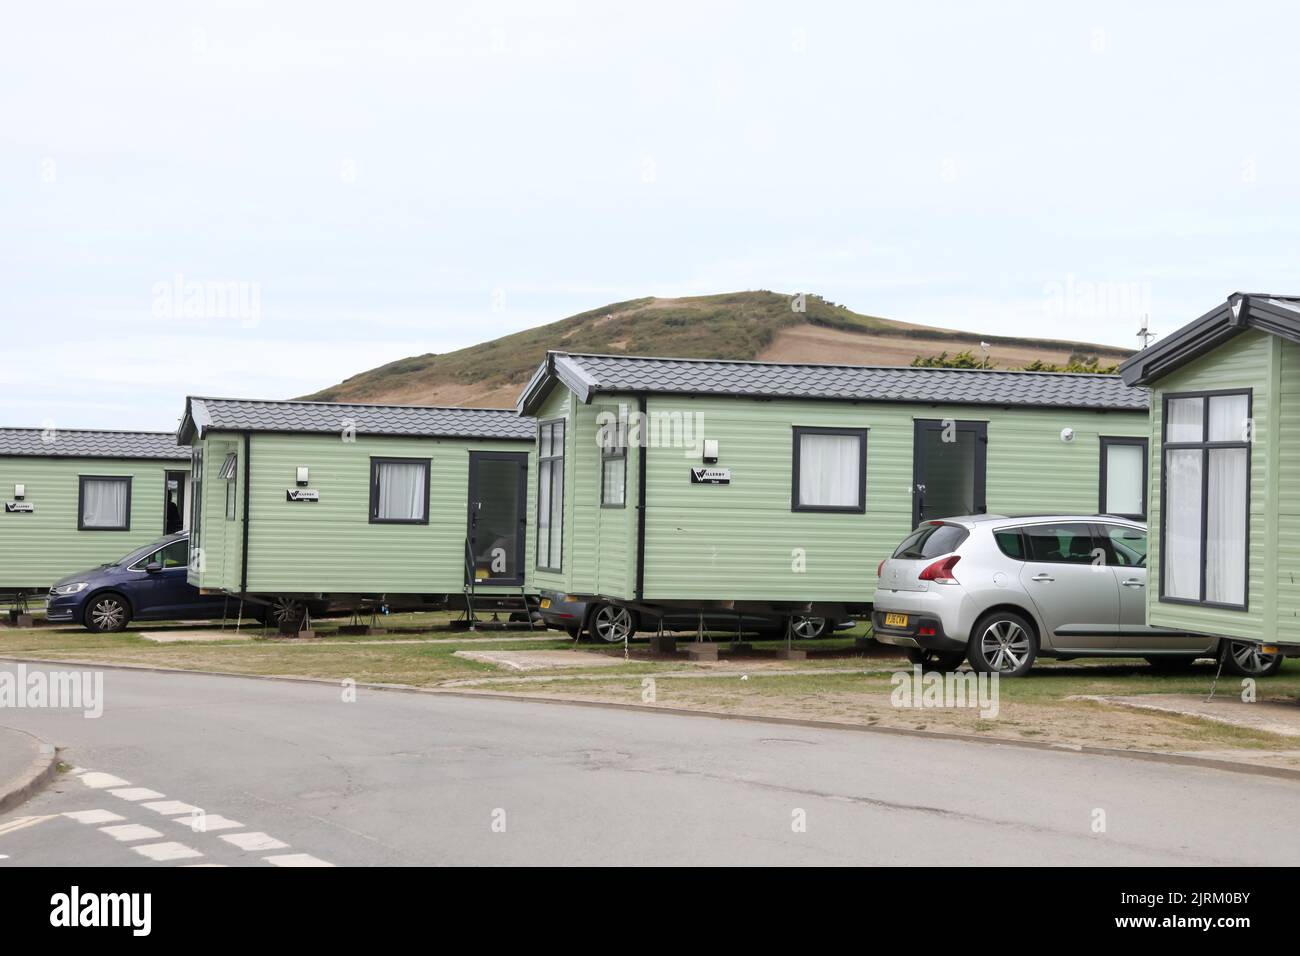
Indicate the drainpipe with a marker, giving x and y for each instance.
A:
(248, 481)
(643, 447)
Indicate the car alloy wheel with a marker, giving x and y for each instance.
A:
(107, 613)
(1005, 646)
(283, 610)
(1247, 660)
(612, 624)
(807, 628)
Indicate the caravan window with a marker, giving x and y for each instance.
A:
(1204, 518)
(550, 495)
(104, 503)
(1124, 477)
(830, 469)
(399, 490)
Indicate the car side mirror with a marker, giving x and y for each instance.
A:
(153, 567)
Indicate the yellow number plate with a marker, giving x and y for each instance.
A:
(546, 602)
(895, 620)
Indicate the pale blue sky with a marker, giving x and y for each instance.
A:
(395, 178)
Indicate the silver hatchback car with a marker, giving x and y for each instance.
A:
(1000, 591)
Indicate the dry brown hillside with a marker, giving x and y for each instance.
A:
(741, 325)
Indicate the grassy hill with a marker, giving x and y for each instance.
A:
(740, 325)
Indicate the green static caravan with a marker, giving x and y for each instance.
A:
(331, 506)
(1225, 472)
(75, 499)
(776, 488)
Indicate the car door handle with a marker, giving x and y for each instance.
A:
(1133, 583)
(1042, 577)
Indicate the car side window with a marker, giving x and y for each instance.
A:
(1011, 543)
(1128, 546)
(1067, 543)
(175, 555)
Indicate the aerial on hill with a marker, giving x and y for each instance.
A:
(762, 325)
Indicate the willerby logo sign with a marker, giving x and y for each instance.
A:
(301, 494)
(19, 507)
(710, 476)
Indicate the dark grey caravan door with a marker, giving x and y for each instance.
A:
(948, 468)
(498, 496)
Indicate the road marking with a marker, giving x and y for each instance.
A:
(94, 816)
(211, 821)
(169, 808)
(162, 852)
(254, 841)
(295, 859)
(131, 831)
(98, 781)
(136, 793)
(22, 822)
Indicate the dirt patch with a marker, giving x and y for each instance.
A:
(815, 343)
(1271, 716)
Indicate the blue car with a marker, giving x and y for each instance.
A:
(149, 584)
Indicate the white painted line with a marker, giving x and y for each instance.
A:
(21, 822)
(76, 770)
(169, 808)
(254, 841)
(211, 821)
(163, 852)
(98, 781)
(295, 859)
(136, 793)
(94, 816)
(127, 832)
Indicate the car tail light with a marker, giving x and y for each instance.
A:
(880, 568)
(941, 571)
(925, 631)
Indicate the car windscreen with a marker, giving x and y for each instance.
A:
(932, 540)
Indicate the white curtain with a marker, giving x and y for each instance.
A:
(401, 491)
(1124, 479)
(1182, 554)
(828, 470)
(103, 504)
(544, 513)
(557, 513)
(613, 481)
(1225, 540)
(1186, 417)
(1228, 415)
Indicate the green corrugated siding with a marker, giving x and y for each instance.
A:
(1244, 362)
(39, 548)
(215, 564)
(1287, 482)
(330, 546)
(743, 542)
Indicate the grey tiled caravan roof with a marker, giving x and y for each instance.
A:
(229, 414)
(82, 443)
(593, 374)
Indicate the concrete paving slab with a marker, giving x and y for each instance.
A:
(26, 764)
(540, 660)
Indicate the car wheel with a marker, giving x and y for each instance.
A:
(806, 627)
(283, 611)
(1246, 660)
(936, 660)
(107, 613)
(1180, 663)
(612, 624)
(1002, 643)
